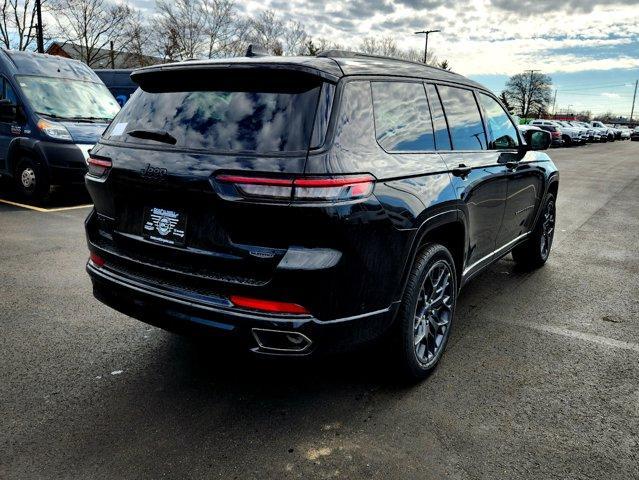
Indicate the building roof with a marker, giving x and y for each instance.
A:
(102, 56)
(331, 65)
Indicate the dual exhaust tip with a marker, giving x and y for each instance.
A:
(281, 341)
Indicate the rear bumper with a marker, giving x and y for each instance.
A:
(217, 317)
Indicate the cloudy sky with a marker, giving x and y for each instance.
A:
(589, 47)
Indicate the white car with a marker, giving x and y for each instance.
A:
(582, 132)
(625, 132)
(604, 129)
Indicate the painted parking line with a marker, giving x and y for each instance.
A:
(43, 210)
(576, 335)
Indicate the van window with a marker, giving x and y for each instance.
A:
(232, 113)
(8, 93)
(464, 120)
(402, 119)
(501, 130)
(442, 139)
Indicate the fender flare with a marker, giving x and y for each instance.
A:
(451, 216)
(553, 179)
(29, 146)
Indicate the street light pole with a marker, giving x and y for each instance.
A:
(426, 33)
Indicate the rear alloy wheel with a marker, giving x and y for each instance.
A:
(30, 181)
(426, 314)
(534, 252)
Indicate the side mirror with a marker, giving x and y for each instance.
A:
(8, 111)
(537, 139)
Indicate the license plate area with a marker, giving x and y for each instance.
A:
(164, 226)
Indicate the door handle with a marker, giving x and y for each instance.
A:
(461, 170)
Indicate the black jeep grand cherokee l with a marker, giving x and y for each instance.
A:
(308, 204)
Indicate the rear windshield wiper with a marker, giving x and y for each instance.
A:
(157, 135)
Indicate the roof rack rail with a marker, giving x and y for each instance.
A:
(351, 54)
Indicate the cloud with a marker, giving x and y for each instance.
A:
(533, 7)
(610, 95)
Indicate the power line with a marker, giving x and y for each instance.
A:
(594, 87)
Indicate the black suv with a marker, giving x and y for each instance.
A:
(309, 204)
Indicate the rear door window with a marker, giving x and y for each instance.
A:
(464, 119)
(501, 131)
(402, 118)
(260, 114)
(442, 139)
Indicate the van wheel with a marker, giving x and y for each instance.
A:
(31, 181)
(426, 314)
(534, 252)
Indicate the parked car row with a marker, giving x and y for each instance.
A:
(573, 132)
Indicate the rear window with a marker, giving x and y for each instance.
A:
(260, 114)
(402, 117)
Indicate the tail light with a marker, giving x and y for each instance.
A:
(96, 259)
(304, 189)
(268, 305)
(98, 167)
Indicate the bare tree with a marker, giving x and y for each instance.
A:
(182, 22)
(529, 92)
(387, 47)
(220, 26)
(504, 99)
(138, 36)
(267, 30)
(92, 25)
(294, 38)
(18, 24)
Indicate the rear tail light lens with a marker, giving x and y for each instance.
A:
(98, 167)
(333, 189)
(268, 305)
(305, 189)
(96, 259)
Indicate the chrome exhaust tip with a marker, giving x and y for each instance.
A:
(281, 341)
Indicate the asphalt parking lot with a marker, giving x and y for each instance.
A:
(540, 380)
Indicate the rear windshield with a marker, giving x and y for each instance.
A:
(260, 114)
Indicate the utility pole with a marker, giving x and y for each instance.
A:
(112, 55)
(554, 99)
(426, 33)
(634, 98)
(39, 34)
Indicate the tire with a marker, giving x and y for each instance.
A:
(31, 181)
(427, 310)
(567, 141)
(534, 252)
